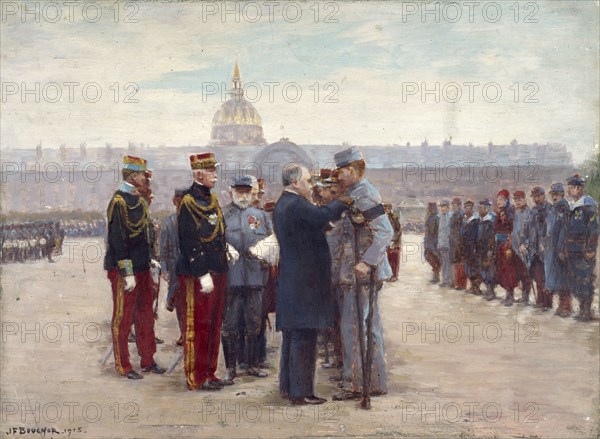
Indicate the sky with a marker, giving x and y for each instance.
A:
(318, 72)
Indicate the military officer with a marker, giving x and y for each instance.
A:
(128, 262)
(246, 279)
(581, 245)
(202, 270)
(367, 234)
(555, 264)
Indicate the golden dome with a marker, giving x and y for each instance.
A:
(237, 111)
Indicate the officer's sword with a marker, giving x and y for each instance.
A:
(175, 362)
(365, 402)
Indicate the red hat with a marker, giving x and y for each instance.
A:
(456, 200)
(205, 160)
(504, 193)
(519, 194)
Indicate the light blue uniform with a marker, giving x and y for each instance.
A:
(374, 239)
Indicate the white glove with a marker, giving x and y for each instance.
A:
(267, 250)
(129, 283)
(154, 263)
(232, 254)
(206, 284)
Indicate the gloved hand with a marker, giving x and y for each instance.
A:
(206, 284)
(154, 263)
(232, 254)
(129, 283)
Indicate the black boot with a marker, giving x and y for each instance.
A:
(490, 294)
(510, 298)
(524, 299)
(252, 357)
(230, 354)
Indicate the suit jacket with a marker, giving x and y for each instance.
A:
(303, 293)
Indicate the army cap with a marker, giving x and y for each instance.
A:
(241, 181)
(557, 188)
(576, 180)
(347, 156)
(537, 190)
(444, 203)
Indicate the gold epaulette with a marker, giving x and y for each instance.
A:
(200, 213)
(134, 228)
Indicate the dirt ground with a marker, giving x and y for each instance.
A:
(458, 367)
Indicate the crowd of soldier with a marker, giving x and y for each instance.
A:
(31, 241)
(548, 248)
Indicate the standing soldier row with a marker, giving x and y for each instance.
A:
(548, 248)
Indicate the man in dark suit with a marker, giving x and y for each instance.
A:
(304, 301)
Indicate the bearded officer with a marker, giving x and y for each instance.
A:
(202, 270)
(128, 262)
(246, 279)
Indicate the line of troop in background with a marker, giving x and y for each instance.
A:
(549, 248)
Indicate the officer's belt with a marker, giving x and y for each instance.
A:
(373, 212)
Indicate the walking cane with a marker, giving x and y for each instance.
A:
(365, 401)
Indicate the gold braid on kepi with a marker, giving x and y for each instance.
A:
(137, 227)
(199, 213)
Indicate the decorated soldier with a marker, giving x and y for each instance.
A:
(169, 253)
(555, 263)
(128, 263)
(246, 279)
(393, 251)
(486, 245)
(469, 237)
(534, 233)
(581, 245)
(522, 211)
(431, 253)
(202, 270)
(444, 243)
(365, 245)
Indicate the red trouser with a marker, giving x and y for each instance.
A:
(133, 307)
(460, 277)
(393, 254)
(202, 328)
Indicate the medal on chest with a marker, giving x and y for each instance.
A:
(253, 222)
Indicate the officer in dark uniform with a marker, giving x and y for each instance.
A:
(246, 279)
(581, 245)
(202, 270)
(127, 262)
